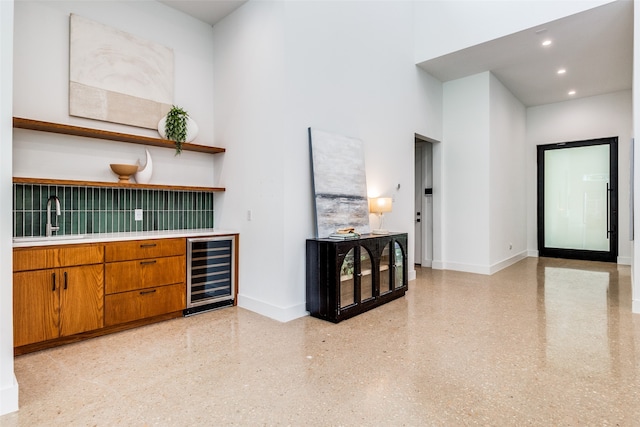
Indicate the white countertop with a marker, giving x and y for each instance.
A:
(21, 242)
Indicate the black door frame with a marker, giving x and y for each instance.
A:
(608, 256)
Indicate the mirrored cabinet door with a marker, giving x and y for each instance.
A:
(366, 275)
(347, 279)
(385, 270)
(398, 265)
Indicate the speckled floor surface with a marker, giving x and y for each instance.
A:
(544, 342)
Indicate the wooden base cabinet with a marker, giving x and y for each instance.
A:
(141, 304)
(143, 279)
(49, 302)
(348, 277)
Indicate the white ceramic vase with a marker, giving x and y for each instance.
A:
(143, 176)
(192, 129)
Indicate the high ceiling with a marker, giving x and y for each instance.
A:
(595, 48)
(209, 11)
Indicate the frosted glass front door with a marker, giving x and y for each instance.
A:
(576, 198)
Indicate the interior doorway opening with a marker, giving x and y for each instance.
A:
(423, 207)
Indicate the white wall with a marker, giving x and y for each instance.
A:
(466, 178)
(586, 118)
(8, 383)
(41, 91)
(508, 214)
(249, 114)
(318, 73)
(455, 24)
(484, 176)
(636, 157)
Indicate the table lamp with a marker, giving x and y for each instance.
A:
(380, 205)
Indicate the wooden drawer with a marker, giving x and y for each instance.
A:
(80, 255)
(34, 259)
(140, 274)
(140, 304)
(25, 259)
(141, 249)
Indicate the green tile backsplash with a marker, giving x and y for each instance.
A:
(93, 210)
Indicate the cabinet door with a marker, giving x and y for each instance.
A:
(385, 269)
(36, 306)
(365, 275)
(356, 277)
(81, 299)
(398, 265)
(347, 279)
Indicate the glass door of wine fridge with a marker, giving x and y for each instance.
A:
(210, 273)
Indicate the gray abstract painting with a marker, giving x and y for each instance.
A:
(340, 183)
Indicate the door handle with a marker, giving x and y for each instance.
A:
(53, 282)
(148, 245)
(608, 219)
(148, 262)
(65, 280)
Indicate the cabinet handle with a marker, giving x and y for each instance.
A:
(153, 291)
(65, 280)
(148, 245)
(53, 282)
(148, 262)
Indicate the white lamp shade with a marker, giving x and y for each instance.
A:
(380, 205)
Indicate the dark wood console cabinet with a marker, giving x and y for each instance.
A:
(349, 277)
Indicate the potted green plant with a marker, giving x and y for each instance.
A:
(175, 126)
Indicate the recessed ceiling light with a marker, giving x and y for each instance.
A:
(572, 92)
(562, 71)
(546, 43)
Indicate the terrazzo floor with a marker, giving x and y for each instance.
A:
(544, 342)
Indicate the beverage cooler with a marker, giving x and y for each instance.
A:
(211, 270)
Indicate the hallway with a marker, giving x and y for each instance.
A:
(543, 342)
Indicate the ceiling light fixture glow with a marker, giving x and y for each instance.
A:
(562, 71)
(572, 92)
(546, 43)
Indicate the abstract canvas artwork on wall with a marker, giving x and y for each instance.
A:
(339, 181)
(117, 77)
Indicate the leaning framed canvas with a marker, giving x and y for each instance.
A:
(339, 182)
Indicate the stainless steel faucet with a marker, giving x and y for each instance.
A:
(52, 228)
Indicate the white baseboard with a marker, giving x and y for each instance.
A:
(412, 275)
(466, 268)
(479, 269)
(635, 306)
(507, 262)
(625, 260)
(533, 253)
(281, 314)
(437, 265)
(427, 263)
(9, 398)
